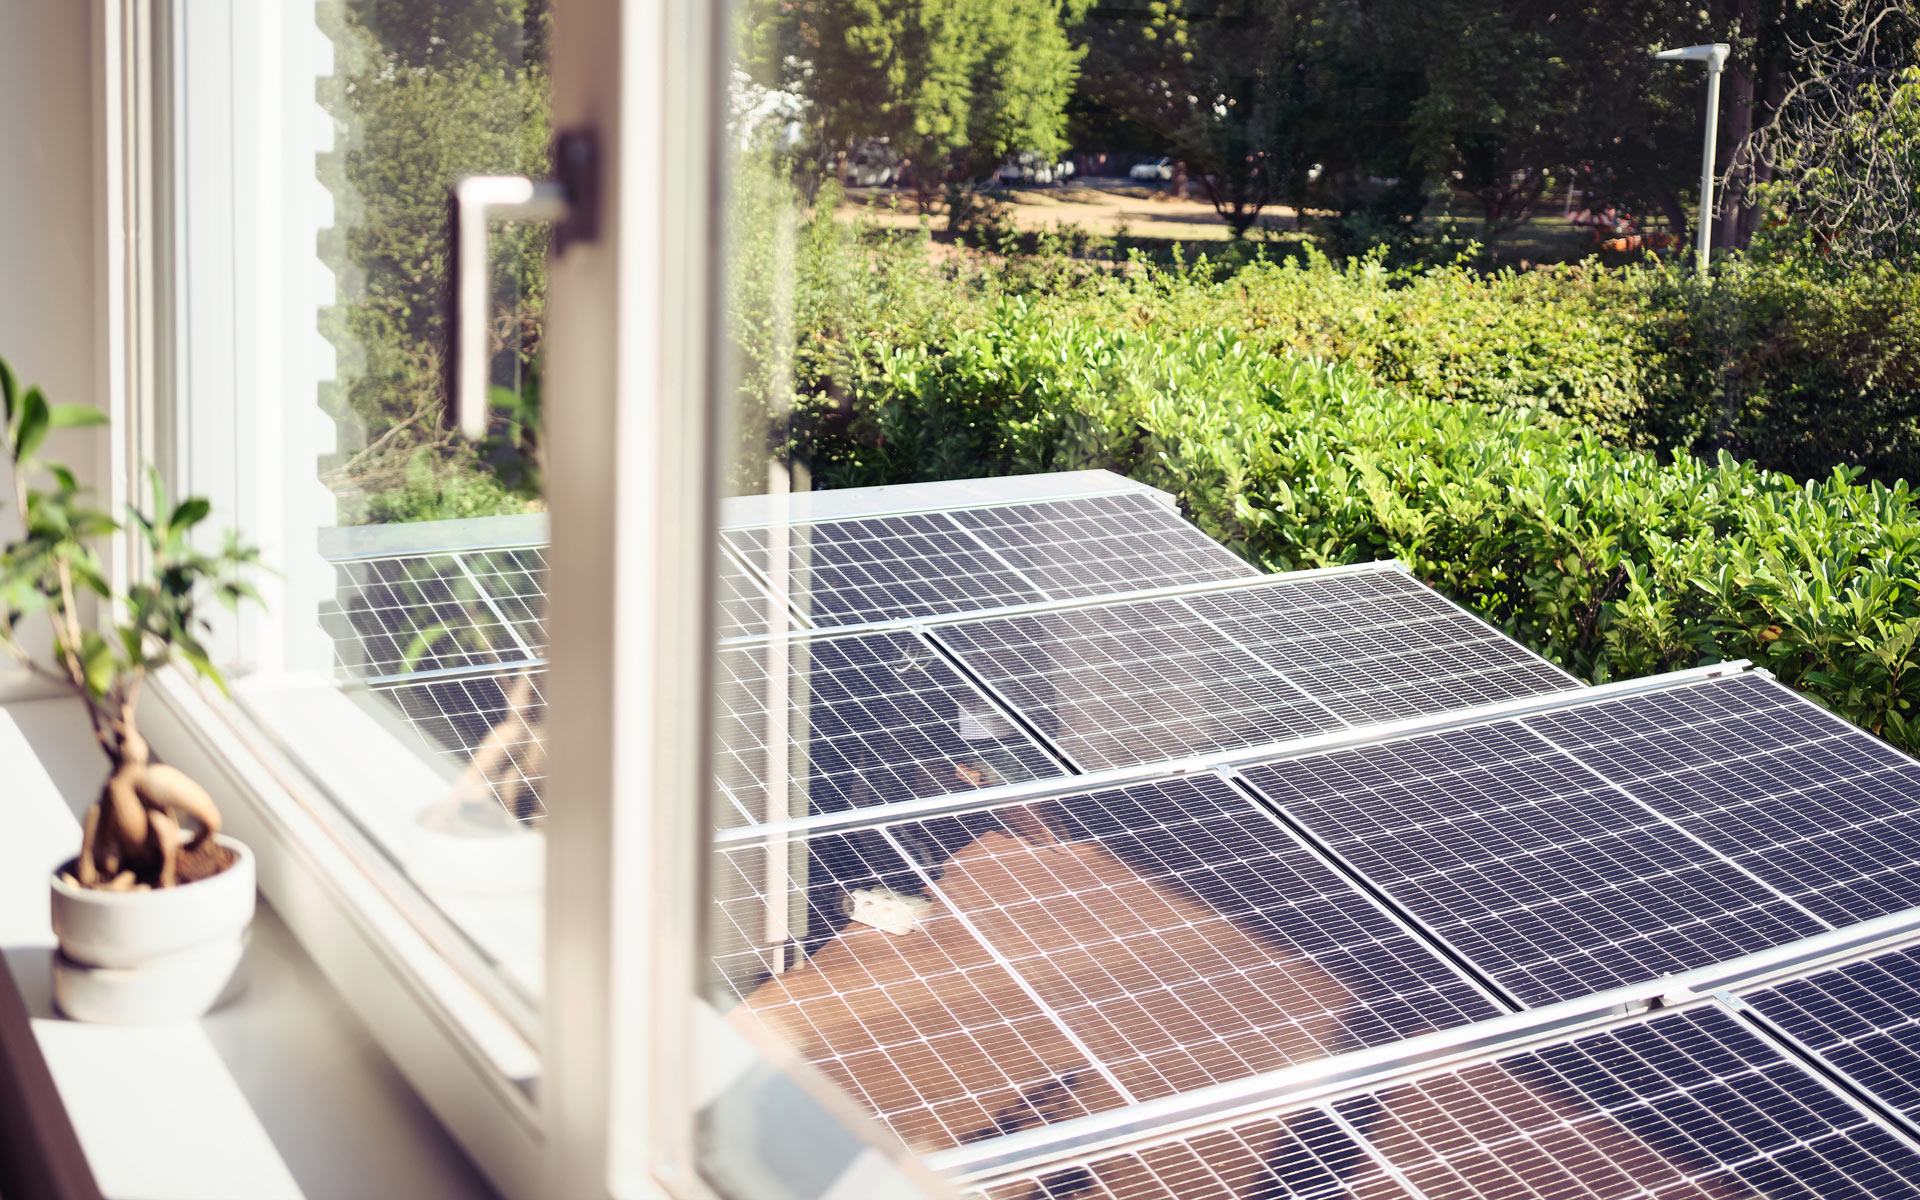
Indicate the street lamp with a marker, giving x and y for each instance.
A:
(1715, 56)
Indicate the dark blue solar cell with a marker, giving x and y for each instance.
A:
(1540, 873)
(1862, 1017)
(1823, 812)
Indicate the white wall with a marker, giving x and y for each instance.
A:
(50, 298)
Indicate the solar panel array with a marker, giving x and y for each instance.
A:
(915, 888)
(1690, 1103)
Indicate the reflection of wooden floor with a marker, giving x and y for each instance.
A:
(943, 1042)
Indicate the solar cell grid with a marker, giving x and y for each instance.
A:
(1550, 880)
(1382, 656)
(1685, 1104)
(1862, 1017)
(884, 568)
(435, 612)
(861, 720)
(1822, 811)
(745, 608)
(926, 1028)
(1129, 683)
(1184, 936)
(1101, 545)
(490, 727)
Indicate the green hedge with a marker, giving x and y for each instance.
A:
(1611, 562)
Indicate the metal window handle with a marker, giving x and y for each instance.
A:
(570, 200)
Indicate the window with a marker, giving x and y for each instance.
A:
(835, 732)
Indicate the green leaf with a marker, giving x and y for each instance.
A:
(191, 512)
(33, 426)
(423, 642)
(197, 658)
(75, 416)
(7, 388)
(96, 659)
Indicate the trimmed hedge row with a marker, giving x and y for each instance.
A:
(1609, 561)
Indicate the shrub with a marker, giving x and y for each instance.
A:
(1608, 561)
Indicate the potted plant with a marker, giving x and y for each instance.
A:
(152, 913)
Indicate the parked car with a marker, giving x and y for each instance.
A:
(1031, 166)
(1160, 170)
(873, 163)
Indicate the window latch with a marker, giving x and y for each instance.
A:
(571, 200)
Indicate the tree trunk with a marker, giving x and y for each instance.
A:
(1734, 155)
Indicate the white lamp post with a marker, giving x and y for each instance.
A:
(1715, 56)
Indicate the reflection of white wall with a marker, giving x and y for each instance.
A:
(249, 285)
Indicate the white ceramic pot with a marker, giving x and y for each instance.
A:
(143, 958)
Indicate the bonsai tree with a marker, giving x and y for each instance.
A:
(152, 826)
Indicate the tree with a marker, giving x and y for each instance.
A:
(1224, 85)
(1846, 141)
(953, 86)
(428, 91)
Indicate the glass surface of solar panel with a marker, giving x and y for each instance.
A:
(1862, 1017)
(856, 721)
(926, 1027)
(1101, 545)
(1823, 811)
(1184, 936)
(883, 568)
(745, 609)
(1546, 877)
(1389, 650)
(492, 728)
(437, 612)
(1119, 684)
(1172, 934)
(1685, 1104)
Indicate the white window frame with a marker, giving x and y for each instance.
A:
(599, 1100)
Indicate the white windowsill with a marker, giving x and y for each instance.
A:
(280, 1092)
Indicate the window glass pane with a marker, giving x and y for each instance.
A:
(400, 661)
(1045, 578)
(437, 603)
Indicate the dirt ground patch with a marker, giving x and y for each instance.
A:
(1106, 207)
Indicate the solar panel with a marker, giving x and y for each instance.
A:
(397, 616)
(1173, 934)
(1183, 935)
(744, 607)
(1119, 684)
(823, 724)
(1552, 881)
(927, 1028)
(1824, 812)
(883, 568)
(1861, 1017)
(1101, 545)
(1380, 648)
(1129, 683)
(490, 727)
(1687, 1103)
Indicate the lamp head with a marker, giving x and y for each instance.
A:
(1715, 55)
